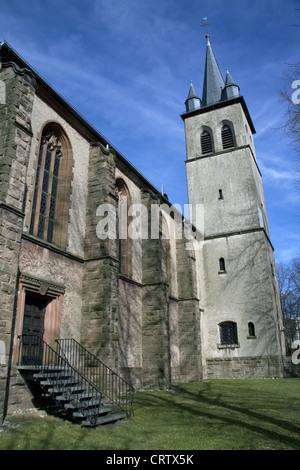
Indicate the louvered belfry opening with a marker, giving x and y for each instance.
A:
(206, 143)
(227, 137)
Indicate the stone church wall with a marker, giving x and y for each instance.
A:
(152, 315)
(15, 141)
(42, 114)
(245, 259)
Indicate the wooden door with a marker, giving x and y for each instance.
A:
(33, 330)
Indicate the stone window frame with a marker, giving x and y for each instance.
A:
(53, 136)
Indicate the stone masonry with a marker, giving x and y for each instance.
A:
(101, 268)
(15, 141)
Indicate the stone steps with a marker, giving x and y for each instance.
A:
(75, 397)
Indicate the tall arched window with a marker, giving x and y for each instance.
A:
(228, 333)
(227, 137)
(206, 142)
(125, 241)
(52, 189)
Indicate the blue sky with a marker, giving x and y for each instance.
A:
(126, 66)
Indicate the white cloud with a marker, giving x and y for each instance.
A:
(278, 175)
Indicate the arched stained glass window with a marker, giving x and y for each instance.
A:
(125, 241)
(52, 190)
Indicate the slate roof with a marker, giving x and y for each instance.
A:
(213, 81)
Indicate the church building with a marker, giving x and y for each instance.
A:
(157, 298)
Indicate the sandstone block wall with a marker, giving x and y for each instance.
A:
(15, 141)
(244, 367)
(99, 328)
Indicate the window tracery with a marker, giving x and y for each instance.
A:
(52, 189)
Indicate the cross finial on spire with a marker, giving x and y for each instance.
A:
(206, 24)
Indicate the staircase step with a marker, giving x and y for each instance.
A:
(56, 382)
(48, 375)
(76, 388)
(92, 412)
(83, 395)
(78, 404)
(73, 394)
(111, 418)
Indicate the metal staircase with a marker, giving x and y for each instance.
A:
(75, 381)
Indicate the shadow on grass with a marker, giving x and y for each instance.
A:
(238, 415)
(264, 413)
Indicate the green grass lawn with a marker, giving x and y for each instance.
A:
(252, 414)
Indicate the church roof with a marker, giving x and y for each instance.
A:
(229, 80)
(193, 101)
(216, 92)
(213, 81)
(192, 92)
(7, 53)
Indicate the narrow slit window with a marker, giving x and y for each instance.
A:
(206, 143)
(220, 194)
(251, 329)
(222, 264)
(227, 137)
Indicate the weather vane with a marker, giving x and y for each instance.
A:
(206, 24)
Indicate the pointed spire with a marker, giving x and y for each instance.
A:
(213, 80)
(231, 89)
(192, 91)
(193, 101)
(229, 80)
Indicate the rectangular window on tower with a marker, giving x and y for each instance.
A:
(228, 335)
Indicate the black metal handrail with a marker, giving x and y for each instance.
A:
(65, 382)
(111, 384)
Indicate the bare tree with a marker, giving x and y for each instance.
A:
(290, 98)
(288, 277)
(297, 16)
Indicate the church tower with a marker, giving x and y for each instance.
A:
(241, 318)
